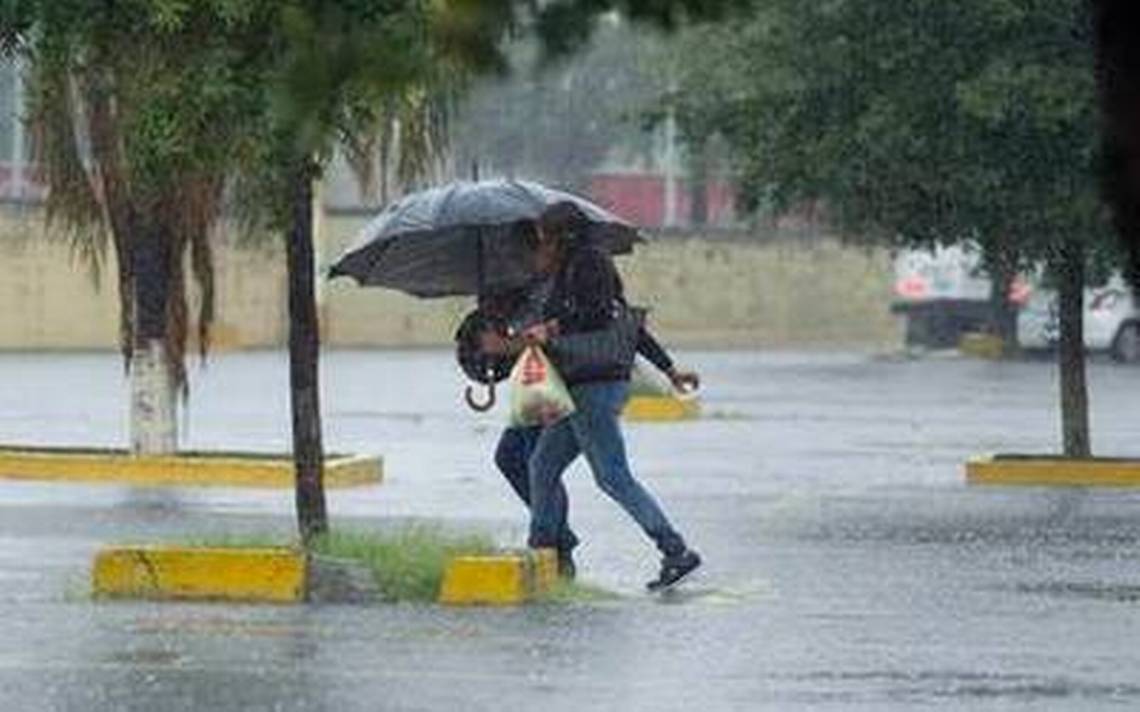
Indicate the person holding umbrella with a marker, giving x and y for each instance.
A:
(516, 444)
(459, 239)
(591, 335)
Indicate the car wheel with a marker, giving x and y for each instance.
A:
(1126, 345)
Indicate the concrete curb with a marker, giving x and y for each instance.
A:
(659, 409)
(191, 469)
(270, 575)
(289, 575)
(499, 580)
(1055, 471)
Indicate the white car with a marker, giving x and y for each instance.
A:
(1112, 321)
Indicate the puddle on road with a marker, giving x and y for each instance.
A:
(709, 595)
(416, 418)
(220, 626)
(1092, 590)
(145, 656)
(918, 686)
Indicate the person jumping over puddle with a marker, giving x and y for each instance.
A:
(591, 335)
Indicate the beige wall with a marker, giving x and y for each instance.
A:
(48, 301)
(711, 293)
(51, 299)
(734, 293)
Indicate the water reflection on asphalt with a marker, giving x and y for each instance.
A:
(848, 566)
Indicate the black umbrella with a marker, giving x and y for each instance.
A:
(461, 238)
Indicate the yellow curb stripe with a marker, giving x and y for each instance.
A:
(985, 346)
(499, 580)
(1053, 471)
(661, 408)
(544, 569)
(189, 469)
(198, 573)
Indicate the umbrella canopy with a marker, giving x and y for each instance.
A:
(461, 238)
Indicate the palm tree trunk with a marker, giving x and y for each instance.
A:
(304, 351)
(1071, 352)
(154, 425)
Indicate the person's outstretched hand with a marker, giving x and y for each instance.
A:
(684, 381)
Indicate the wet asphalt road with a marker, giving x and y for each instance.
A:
(848, 566)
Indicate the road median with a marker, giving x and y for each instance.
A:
(185, 469)
(1053, 471)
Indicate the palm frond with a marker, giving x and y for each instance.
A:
(360, 140)
(177, 310)
(404, 141)
(199, 207)
(112, 188)
(53, 119)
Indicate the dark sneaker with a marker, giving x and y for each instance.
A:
(674, 569)
(566, 567)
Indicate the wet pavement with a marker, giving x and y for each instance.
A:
(848, 565)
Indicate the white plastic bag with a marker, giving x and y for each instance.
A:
(538, 394)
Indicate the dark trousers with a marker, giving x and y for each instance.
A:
(511, 457)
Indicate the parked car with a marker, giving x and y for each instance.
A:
(943, 293)
(1112, 321)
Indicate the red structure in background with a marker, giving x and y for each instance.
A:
(640, 198)
(21, 184)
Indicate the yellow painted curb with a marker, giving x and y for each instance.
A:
(661, 408)
(184, 469)
(1052, 471)
(545, 569)
(502, 579)
(985, 346)
(197, 573)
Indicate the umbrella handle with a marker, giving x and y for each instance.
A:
(469, 396)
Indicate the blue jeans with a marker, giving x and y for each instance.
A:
(511, 457)
(592, 430)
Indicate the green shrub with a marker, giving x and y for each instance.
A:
(407, 563)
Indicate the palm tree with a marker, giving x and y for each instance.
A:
(353, 76)
(143, 118)
(133, 129)
(143, 113)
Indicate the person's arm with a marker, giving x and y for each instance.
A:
(651, 348)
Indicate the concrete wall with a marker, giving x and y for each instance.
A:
(703, 293)
(53, 300)
(735, 293)
(47, 301)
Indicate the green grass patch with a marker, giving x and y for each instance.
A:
(244, 541)
(407, 563)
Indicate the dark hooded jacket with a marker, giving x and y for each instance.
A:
(583, 298)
